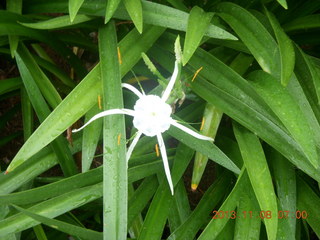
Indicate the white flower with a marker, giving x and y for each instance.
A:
(151, 117)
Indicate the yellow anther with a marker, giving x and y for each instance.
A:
(196, 74)
(119, 139)
(202, 123)
(119, 56)
(157, 150)
(99, 102)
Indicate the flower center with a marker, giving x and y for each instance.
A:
(152, 115)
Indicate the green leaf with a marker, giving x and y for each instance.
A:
(91, 135)
(112, 6)
(221, 86)
(283, 3)
(303, 23)
(44, 84)
(199, 216)
(198, 23)
(16, 7)
(206, 148)
(27, 114)
(51, 208)
(62, 226)
(259, 175)
(60, 146)
(159, 209)
(309, 203)
(153, 14)
(308, 77)
(247, 224)
(74, 6)
(215, 226)
(38, 230)
(9, 26)
(285, 182)
(288, 111)
(54, 189)
(254, 35)
(180, 208)
(178, 5)
(9, 84)
(58, 22)
(212, 117)
(211, 121)
(114, 159)
(55, 70)
(141, 197)
(37, 164)
(134, 9)
(286, 49)
(84, 96)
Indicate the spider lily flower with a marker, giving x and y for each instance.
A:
(151, 117)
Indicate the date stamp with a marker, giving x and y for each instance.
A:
(260, 214)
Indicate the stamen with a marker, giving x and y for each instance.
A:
(99, 102)
(202, 123)
(196, 74)
(119, 56)
(157, 150)
(119, 139)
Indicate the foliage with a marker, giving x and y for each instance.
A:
(251, 74)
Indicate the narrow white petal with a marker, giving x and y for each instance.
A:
(106, 113)
(191, 132)
(172, 81)
(165, 161)
(133, 144)
(132, 89)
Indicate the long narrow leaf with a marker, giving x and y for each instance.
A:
(62, 226)
(256, 37)
(285, 181)
(286, 49)
(134, 9)
(215, 226)
(74, 6)
(153, 13)
(83, 97)
(198, 23)
(59, 145)
(308, 204)
(199, 216)
(288, 112)
(259, 175)
(159, 209)
(51, 208)
(58, 22)
(114, 159)
(112, 6)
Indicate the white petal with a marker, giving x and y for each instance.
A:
(133, 144)
(165, 161)
(172, 81)
(106, 113)
(132, 89)
(191, 132)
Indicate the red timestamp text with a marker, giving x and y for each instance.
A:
(260, 214)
